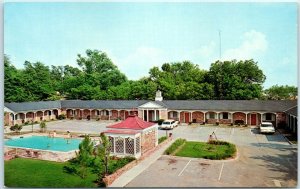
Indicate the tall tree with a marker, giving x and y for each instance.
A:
(283, 92)
(177, 81)
(100, 70)
(13, 87)
(236, 80)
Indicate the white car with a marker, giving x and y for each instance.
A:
(169, 124)
(266, 127)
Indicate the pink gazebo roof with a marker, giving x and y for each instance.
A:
(132, 122)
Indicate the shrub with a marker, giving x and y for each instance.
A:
(52, 119)
(72, 117)
(160, 121)
(174, 146)
(26, 123)
(80, 118)
(16, 128)
(161, 139)
(239, 122)
(36, 122)
(61, 117)
(98, 118)
(119, 163)
(218, 142)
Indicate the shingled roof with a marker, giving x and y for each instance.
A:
(102, 104)
(33, 106)
(205, 105)
(230, 105)
(292, 111)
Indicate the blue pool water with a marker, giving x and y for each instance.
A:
(44, 143)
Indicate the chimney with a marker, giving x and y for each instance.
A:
(158, 96)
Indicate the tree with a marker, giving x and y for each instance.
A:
(99, 70)
(43, 126)
(236, 80)
(13, 86)
(85, 156)
(283, 92)
(102, 157)
(177, 80)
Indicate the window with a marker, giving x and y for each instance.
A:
(225, 115)
(98, 112)
(269, 117)
(50, 113)
(211, 115)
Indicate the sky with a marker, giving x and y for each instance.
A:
(138, 36)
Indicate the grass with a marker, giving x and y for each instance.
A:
(171, 149)
(221, 150)
(161, 139)
(32, 173)
(22, 172)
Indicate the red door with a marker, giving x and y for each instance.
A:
(253, 119)
(186, 117)
(126, 114)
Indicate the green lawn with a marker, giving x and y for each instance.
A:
(208, 151)
(21, 172)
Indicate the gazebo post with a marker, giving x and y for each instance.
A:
(114, 144)
(134, 143)
(124, 145)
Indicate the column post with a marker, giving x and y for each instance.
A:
(191, 116)
(25, 116)
(147, 115)
(118, 113)
(247, 118)
(108, 114)
(204, 116)
(90, 114)
(43, 115)
(261, 117)
(143, 114)
(178, 115)
(14, 121)
(231, 117)
(217, 116)
(154, 115)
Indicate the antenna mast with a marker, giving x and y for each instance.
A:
(220, 44)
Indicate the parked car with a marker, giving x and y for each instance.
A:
(266, 127)
(169, 124)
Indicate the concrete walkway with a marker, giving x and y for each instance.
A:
(126, 177)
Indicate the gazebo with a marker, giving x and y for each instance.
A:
(132, 137)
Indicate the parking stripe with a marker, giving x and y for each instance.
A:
(221, 171)
(184, 167)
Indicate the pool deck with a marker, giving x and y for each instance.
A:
(58, 156)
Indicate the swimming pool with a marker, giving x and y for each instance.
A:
(44, 143)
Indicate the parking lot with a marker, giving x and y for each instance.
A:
(263, 160)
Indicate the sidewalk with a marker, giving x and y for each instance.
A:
(126, 177)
